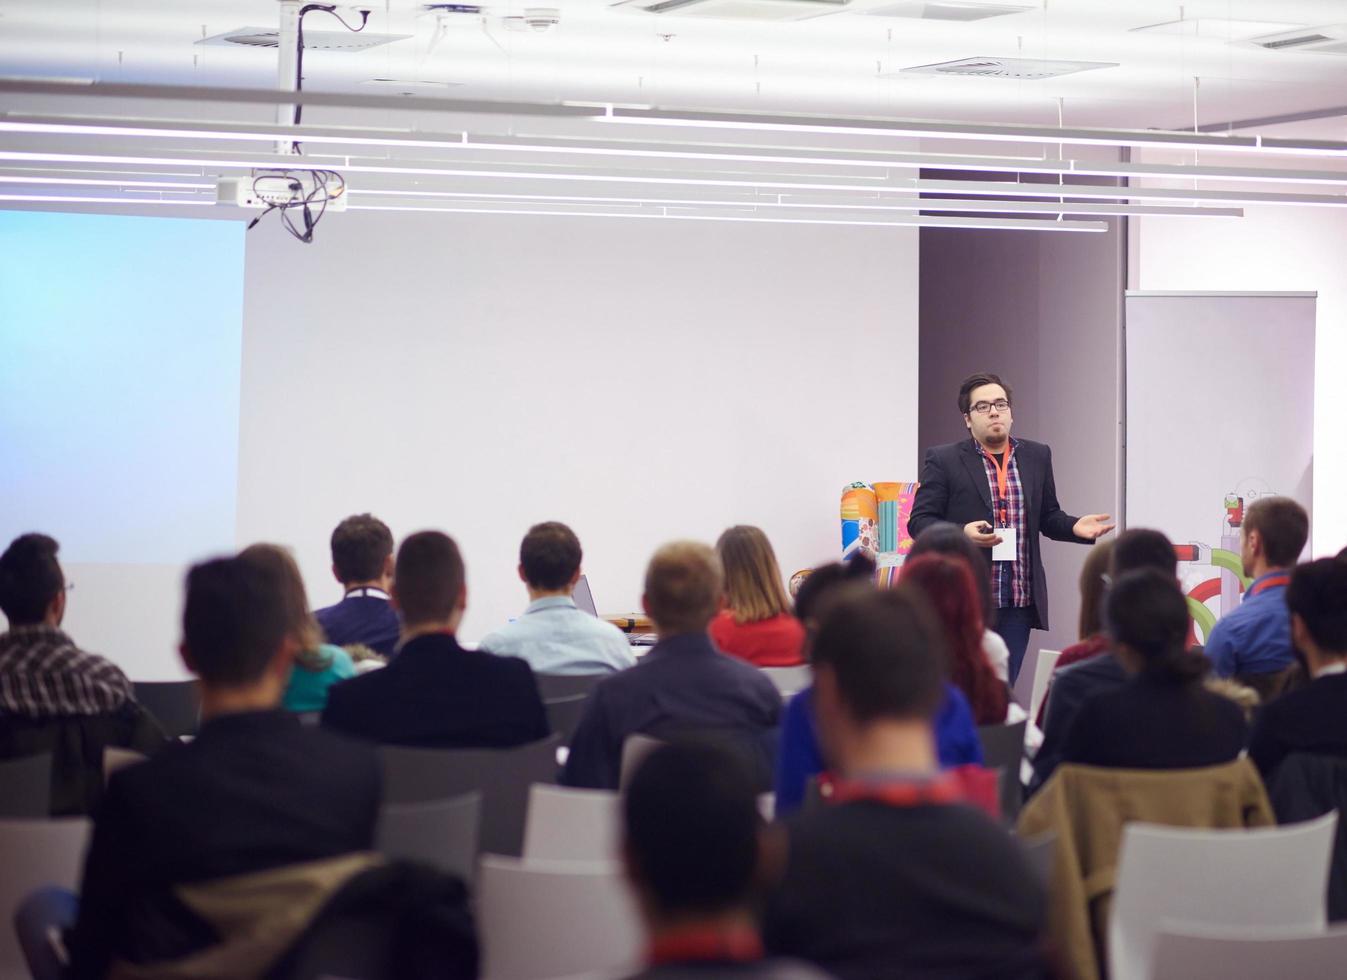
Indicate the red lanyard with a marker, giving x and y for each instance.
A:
(1271, 582)
(706, 943)
(893, 792)
(1002, 480)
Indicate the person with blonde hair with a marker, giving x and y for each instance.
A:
(318, 664)
(758, 625)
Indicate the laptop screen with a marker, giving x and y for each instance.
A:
(584, 599)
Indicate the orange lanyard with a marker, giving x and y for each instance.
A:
(1002, 479)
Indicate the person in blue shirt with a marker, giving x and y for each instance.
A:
(1253, 642)
(798, 756)
(554, 635)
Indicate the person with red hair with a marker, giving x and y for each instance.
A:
(947, 583)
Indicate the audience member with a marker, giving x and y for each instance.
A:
(434, 693)
(362, 561)
(757, 626)
(254, 790)
(318, 665)
(1252, 643)
(896, 876)
(1162, 717)
(54, 697)
(944, 538)
(1312, 719)
(799, 758)
(1092, 640)
(949, 588)
(553, 635)
(695, 851)
(1139, 548)
(683, 685)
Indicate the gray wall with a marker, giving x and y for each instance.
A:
(1043, 311)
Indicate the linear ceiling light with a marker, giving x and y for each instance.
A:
(1015, 189)
(74, 199)
(925, 221)
(105, 182)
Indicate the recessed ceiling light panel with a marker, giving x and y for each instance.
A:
(269, 37)
(1219, 28)
(1017, 68)
(946, 10)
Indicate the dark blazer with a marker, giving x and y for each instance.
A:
(251, 792)
(684, 685)
(364, 619)
(1071, 687)
(954, 488)
(435, 694)
(1312, 719)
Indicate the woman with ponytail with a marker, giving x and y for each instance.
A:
(1163, 717)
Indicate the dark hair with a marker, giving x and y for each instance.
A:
(944, 538)
(1283, 525)
(886, 651)
(360, 546)
(234, 619)
(974, 381)
(1093, 588)
(1318, 595)
(30, 578)
(1146, 610)
(1140, 548)
(428, 578)
(550, 554)
(809, 598)
(691, 825)
(947, 583)
(1342, 555)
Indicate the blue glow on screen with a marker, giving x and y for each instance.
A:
(120, 346)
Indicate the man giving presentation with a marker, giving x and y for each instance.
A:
(1001, 492)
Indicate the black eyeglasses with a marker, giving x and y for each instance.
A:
(982, 408)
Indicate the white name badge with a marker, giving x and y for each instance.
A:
(1008, 549)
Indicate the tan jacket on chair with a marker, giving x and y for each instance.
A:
(1087, 808)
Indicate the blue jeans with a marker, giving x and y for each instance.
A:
(1013, 626)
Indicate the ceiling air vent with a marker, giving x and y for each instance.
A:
(1020, 68)
(946, 10)
(739, 9)
(268, 37)
(1312, 40)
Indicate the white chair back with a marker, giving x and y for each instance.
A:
(1230, 955)
(634, 750)
(790, 680)
(539, 919)
(34, 853)
(441, 833)
(1044, 664)
(572, 825)
(1178, 877)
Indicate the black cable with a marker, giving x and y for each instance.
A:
(320, 194)
(308, 8)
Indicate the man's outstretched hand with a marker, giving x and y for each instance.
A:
(1092, 527)
(982, 534)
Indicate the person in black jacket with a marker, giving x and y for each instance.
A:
(1163, 717)
(1312, 719)
(1001, 490)
(253, 791)
(434, 693)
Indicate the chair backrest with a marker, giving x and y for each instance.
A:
(441, 833)
(35, 853)
(634, 750)
(554, 686)
(564, 714)
(572, 825)
(1305, 786)
(115, 759)
(1181, 877)
(503, 776)
(541, 919)
(790, 680)
(1003, 749)
(1239, 955)
(25, 786)
(1044, 665)
(176, 705)
(1041, 853)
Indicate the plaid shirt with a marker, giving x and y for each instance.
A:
(1011, 584)
(44, 675)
